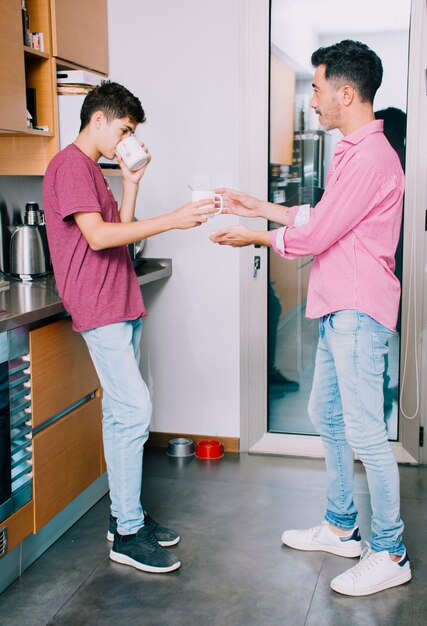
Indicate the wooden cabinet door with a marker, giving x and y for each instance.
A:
(80, 32)
(282, 91)
(13, 109)
(61, 370)
(66, 460)
(19, 525)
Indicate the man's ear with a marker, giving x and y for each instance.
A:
(347, 94)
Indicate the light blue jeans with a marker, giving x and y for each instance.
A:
(346, 407)
(126, 414)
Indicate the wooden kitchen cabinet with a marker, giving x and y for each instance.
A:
(67, 453)
(19, 525)
(282, 93)
(66, 460)
(12, 72)
(80, 33)
(27, 151)
(75, 36)
(62, 372)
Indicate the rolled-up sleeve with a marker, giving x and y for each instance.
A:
(298, 216)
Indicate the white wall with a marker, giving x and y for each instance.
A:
(182, 60)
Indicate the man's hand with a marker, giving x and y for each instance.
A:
(238, 203)
(191, 214)
(240, 236)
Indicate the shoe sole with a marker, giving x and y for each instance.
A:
(126, 560)
(400, 580)
(164, 544)
(332, 550)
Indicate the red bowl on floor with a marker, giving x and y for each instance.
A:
(209, 449)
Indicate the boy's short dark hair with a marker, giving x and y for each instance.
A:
(352, 62)
(114, 100)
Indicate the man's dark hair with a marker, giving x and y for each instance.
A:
(354, 63)
(114, 100)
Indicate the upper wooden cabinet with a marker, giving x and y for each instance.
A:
(282, 92)
(12, 71)
(75, 35)
(80, 32)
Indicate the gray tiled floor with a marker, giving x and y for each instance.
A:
(230, 514)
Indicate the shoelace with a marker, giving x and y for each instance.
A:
(315, 530)
(368, 560)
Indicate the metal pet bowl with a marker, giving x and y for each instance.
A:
(180, 447)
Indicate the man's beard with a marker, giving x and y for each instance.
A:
(329, 122)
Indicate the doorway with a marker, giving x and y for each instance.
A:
(300, 154)
(275, 421)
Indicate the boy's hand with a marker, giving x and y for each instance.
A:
(191, 214)
(238, 203)
(133, 177)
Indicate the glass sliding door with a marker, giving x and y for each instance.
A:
(299, 156)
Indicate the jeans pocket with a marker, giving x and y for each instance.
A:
(344, 322)
(380, 349)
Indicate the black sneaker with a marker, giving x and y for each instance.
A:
(276, 377)
(166, 537)
(142, 551)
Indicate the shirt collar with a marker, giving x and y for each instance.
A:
(376, 126)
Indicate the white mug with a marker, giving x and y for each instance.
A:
(132, 153)
(211, 195)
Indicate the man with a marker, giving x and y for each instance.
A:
(352, 234)
(88, 239)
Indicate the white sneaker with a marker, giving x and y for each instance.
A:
(322, 538)
(374, 572)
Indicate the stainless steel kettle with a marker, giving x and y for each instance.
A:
(27, 252)
(27, 256)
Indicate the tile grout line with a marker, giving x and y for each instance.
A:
(314, 590)
(77, 589)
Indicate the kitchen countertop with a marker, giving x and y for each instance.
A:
(23, 303)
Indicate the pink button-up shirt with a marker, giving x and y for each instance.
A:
(353, 231)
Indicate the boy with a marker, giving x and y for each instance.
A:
(88, 239)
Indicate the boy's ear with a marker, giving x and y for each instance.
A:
(98, 118)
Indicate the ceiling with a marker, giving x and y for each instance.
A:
(297, 26)
(326, 17)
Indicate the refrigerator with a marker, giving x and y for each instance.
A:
(303, 181)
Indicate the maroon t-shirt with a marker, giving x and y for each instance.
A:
(97, 287)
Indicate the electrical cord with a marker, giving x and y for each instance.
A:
(411, 295)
